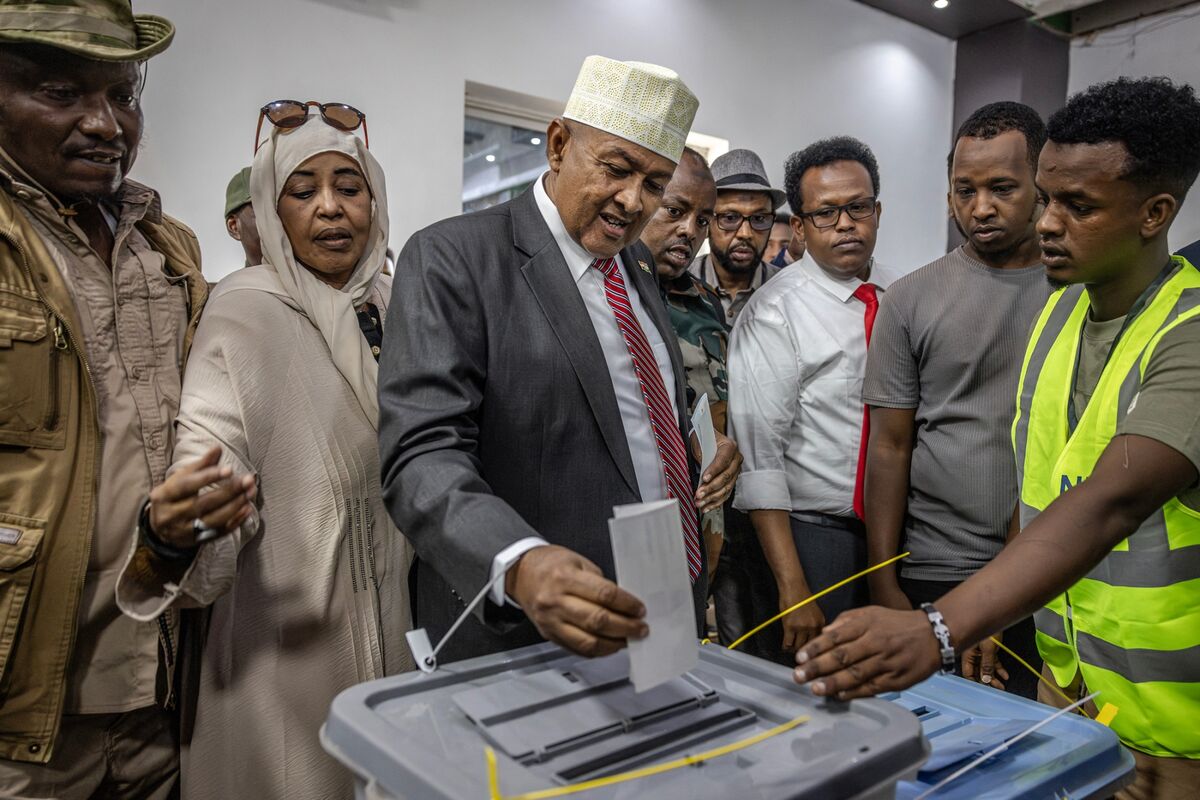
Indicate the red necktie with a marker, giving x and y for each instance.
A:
(866, 293)
(658, 403)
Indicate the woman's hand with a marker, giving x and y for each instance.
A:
(719, 479)
(178, 503)
(867, 651)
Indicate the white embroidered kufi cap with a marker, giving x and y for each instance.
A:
(643, 103)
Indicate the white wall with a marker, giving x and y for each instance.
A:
(771, 75)
(1167, 44)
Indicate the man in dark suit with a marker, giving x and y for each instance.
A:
(530, 381)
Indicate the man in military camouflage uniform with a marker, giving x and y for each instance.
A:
(672, 235)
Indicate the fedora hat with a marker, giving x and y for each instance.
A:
(742, 171)
(102, 30)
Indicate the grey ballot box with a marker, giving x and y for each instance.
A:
(554, 719)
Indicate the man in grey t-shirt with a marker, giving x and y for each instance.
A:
(941, 375)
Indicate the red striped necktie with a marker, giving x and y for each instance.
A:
(662, 412)
(866, 293)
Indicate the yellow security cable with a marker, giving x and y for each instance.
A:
(818, 595)
(492, 774)
(644, 772)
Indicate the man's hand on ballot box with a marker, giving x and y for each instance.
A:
(572, 604)
(867, 651)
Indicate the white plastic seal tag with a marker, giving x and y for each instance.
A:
(421, 649)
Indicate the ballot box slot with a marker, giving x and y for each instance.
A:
(516, 711)
(534, 717)
(555, 728)
(922, 711)
(682, 717)
(650, 743)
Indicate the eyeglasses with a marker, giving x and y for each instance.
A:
(293, 114)
(731, 221)
(828, 216)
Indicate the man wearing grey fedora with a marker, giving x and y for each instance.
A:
(737, 239)
(100, 293)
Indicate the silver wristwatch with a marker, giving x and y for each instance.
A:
(942, 634)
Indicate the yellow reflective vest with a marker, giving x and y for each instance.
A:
(1131, 627)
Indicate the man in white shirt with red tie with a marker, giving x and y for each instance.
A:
(796, 362)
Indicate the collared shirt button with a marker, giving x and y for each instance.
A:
(374, 351)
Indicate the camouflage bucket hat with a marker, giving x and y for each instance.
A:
(103, 30)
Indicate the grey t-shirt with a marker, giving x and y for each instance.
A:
(1166, 408)
(948, 342)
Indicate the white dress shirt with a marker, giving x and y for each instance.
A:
(635, 417)
(797, 357)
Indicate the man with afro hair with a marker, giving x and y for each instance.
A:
(1107, 444)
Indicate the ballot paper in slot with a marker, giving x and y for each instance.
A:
(647, 543)
(702, 426)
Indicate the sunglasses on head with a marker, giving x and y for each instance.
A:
(293, 114)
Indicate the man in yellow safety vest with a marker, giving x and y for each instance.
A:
(1107, 441)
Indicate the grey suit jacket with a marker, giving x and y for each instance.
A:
(498, 418)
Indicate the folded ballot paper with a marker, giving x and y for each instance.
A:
(647, 543)
(702, 426)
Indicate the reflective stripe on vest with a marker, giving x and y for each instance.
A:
(1132, 625)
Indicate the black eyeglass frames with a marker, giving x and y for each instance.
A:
(828, 216)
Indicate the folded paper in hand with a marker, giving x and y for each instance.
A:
(702, 426)
(647, 543)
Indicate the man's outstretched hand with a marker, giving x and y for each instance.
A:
(867, 651)
(572, 603)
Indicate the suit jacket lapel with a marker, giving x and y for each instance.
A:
(550, 280)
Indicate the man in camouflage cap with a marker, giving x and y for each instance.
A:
(100, 293)
(239, 217)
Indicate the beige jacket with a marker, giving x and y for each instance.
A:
(49, 458)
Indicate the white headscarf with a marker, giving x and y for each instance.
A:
(333, 311)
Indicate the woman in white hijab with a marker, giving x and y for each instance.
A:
(309, 593)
